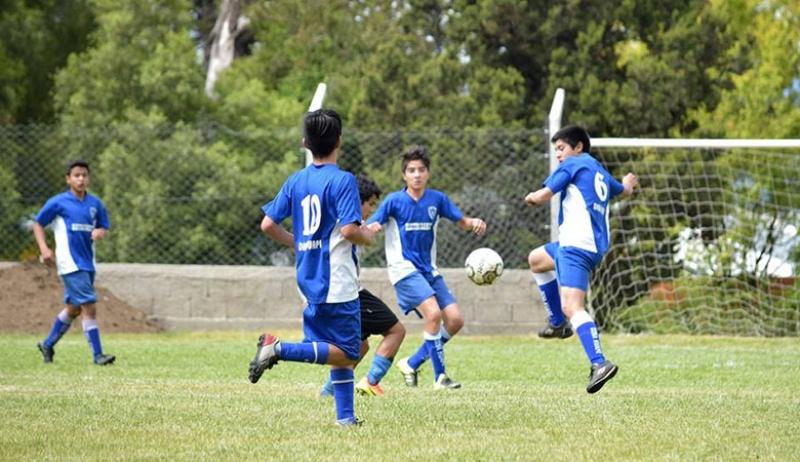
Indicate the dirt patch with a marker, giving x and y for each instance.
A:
(31, 295)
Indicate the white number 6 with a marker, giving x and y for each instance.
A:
(600, 186)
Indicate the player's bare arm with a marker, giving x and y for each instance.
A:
(539, 197)
(47, 256)
(629, 182)
(276, 231)
(473, 224)
(358, 234)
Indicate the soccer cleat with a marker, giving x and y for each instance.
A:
(265, 358)
(409, 374)
(354, 422)
(550, 331)
(104, 360)
(325, 392)
(47, 352)
(599, 375)
(445, 383)
(363, 387)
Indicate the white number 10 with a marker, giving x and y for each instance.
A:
(312, 214)
(600, 186)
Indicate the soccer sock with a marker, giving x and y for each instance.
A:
(433, 342)
(584, 326)
(548, 286)
(327, 388)
(380, 365)
(343, 391)
(60, 327)
(422, 355)
(313, 352)
(93, 336)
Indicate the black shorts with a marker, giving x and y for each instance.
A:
(376, 317)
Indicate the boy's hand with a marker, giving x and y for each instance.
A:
(374, 227)
(629, 182)
(47, 257)
(530, 199)
(98, 234)
(478, 226)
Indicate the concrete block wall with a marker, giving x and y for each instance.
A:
(197, 297)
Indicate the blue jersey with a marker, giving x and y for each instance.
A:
(73, 222)
(321, 199)
(411, 230)
(586, 189)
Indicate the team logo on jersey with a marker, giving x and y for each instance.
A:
(93, 212)
(432, 212)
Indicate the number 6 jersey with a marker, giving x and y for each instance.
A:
(321, 199)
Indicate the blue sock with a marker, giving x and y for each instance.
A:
(93, 336)
(343, 392)
(548, 286)
(421, 355)
(327, 388)
(380, 365)
(436, 351)
(60, 327)
(312, 352)
(584, 326)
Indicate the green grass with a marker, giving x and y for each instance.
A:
(186, 397)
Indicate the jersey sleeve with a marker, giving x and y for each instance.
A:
(615, 186)
(281, 206)
(348, 202)
(449, 210)
(48, 212)
(102, 216)
(383, 213)
(559, 179)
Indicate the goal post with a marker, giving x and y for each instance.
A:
(709, 242)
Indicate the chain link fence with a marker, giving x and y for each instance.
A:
(191, 194)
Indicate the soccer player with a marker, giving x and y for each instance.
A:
(326, 222)
(376, 317)
(586, 189)
(79, 219)
(411, 217)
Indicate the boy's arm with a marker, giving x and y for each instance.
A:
(476, 225)
(47, 254)
(541, 196)
(359, 235)
(276, 231)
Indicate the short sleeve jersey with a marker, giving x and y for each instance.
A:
(411, 230)
(73, 220)
(321, 199)
(586, 189)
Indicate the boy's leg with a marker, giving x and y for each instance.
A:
(452, 322)
(61, 325)
(542, 264)
(92, 333)
(342, 379)
(378, 319)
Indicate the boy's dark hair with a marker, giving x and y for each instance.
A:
(322, 129)
(416, 153)
(77, 163)
(367, 188)
(572, 135)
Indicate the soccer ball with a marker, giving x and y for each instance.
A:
(484, 266)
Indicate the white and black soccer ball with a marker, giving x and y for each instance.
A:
(484, 266)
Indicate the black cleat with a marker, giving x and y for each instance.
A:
(265, 358)
(562, 331)
(47, 352)
(599, 375)
(409, 375)
(104, 360)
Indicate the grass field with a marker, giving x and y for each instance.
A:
(185, 396)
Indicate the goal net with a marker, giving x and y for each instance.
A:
(708, 244)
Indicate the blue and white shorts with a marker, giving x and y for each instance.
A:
(417, 287)
(335, 323)
(79, 288)
(573, 265)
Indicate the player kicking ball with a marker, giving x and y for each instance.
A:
(376, 317)
(326, 222)
(586, 189)
(410, 217)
